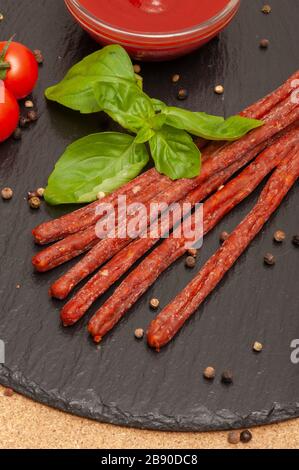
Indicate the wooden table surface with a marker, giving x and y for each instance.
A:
(26, 424)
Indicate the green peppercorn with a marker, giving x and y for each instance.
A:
(154, 303)
(175, 78)
(6, 193)
(266, 9)
(209, 373)
(139, 333)
(279, 236)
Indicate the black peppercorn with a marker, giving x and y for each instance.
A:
(245, 436)
(190, 262)
(269, 259)
(295, 240)
(233, 437)
(227, 377)
(24, 121)
(183, 94)
(223, 236)
(38, 56)
(264, 43)
(32, 115)
(17, 135)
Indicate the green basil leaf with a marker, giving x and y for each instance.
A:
(124, 102)
(144, 135)
(75, 91)
(209, 127)
(98, 162)
(158, 105)
(175, 153)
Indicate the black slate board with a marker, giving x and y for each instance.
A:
(122, 381)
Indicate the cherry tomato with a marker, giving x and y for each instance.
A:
(9, 113)
(22, 75)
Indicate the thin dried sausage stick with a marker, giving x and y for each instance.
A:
(171, 249)
(173, 317)
(287, 112)
(78, 220)
(78, 243)
(263, 106)
(82, 218)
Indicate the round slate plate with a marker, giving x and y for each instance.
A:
(122, 381)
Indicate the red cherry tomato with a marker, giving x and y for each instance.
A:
(22, 75)
(9, 113)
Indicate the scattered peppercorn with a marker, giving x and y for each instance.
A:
(257, 347)
(269, 259)
(175, 78)
(38, 56)
(31, 194)
(34, 202)
(182, 94)
(227, 377)
(192, 252)
(101, 195)
(29, 104)
(17, 135)
(154, 303)
(32, 115)
(223, 236)
(209, 373)
(245, 436)
(266, 9)
(190, 262)
(264, 43)
(8, 392)
(219, 89)
(6, 193)
(233, 437)
(40, 192)
(24, 121)
(279, 236)
(139, 333)
(295, 240)
(137, 68)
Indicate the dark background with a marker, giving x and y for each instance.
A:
(121, 380)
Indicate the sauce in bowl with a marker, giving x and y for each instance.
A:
(154, 29)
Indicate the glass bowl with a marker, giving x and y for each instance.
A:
(154, 46)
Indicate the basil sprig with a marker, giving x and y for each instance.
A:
(97, 163)
(105, 81)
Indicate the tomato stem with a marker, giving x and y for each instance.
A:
(4, 65)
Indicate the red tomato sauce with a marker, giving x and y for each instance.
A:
(154, 16)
